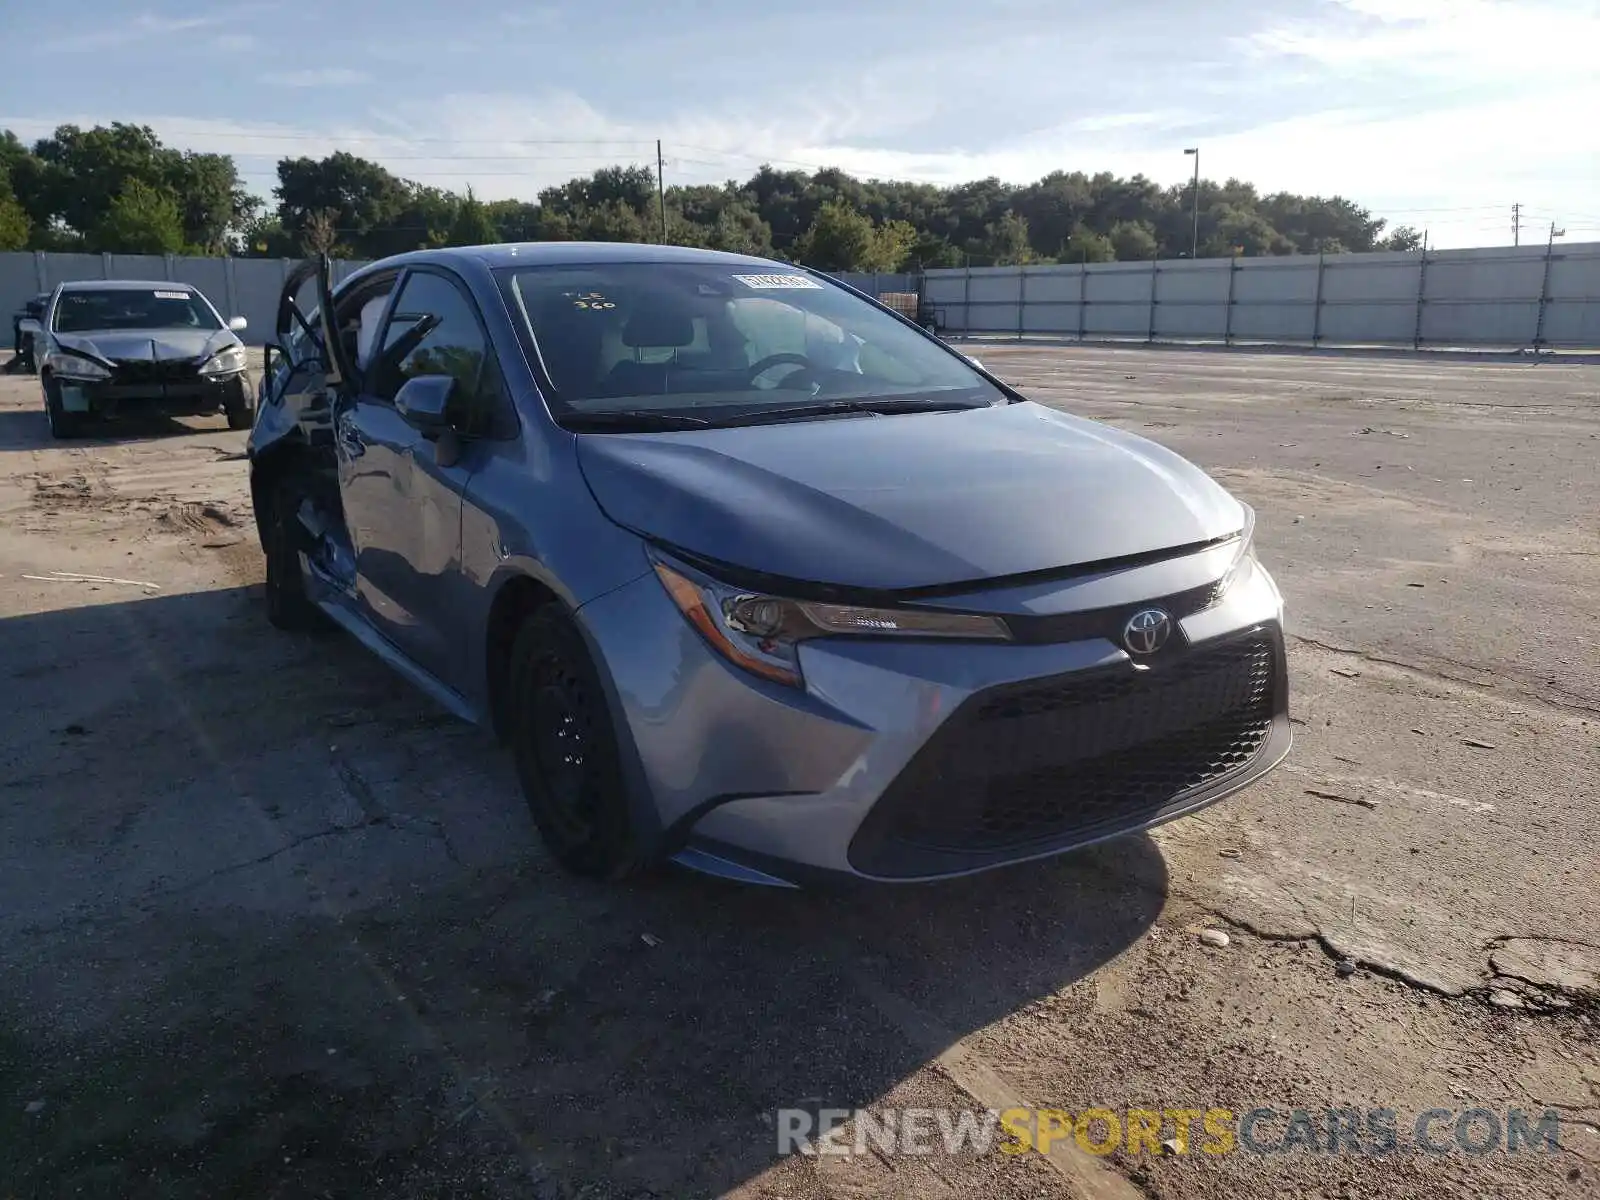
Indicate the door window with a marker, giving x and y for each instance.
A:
(452, 342)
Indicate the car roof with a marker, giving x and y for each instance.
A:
(127, 285)
(537, 254)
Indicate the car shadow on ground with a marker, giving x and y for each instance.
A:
(222, 989)
(28, 429)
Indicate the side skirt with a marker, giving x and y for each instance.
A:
(329, 597)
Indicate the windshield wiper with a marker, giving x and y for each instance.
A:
(630, 418)
(828, 407)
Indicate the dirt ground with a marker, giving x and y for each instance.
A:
(273, 926)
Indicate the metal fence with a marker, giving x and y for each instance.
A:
(1544, 296)
(239, 287)
(1511, 297)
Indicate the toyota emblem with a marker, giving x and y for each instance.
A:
(1146, 631)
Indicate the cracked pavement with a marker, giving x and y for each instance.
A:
(272, 925)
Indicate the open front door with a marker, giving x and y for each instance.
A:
(305, 329)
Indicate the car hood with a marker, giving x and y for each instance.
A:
(914, 501)
(148, 345)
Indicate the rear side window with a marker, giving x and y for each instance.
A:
(454, 344)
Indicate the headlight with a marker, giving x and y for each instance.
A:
(70, 366)
(225, 362)
(1244, 560)
(762, 633)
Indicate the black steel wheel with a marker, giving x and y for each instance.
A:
(62, 423)
(288, 606)
(566, 750)
(241, 412)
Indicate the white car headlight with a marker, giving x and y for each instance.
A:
(225, 362)
(762, 633)
(70, 366)
(1244, 560)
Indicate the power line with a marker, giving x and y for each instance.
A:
(406, 139)
(453, 157)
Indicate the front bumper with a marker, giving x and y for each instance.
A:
(912, 761)
(199, 396)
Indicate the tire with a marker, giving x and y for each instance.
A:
(565, 749)
(63, 424)
(288, 606)
(241, 413)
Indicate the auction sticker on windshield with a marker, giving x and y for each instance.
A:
(172, 295)
(777, 281)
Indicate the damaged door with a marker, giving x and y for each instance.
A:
(402, 486)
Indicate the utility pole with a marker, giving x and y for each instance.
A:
(661, 193)
(1194, 246)
(1516, 224)
(1544, 286)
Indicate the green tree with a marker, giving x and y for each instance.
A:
(930, 251)
(142, 220)
(472, 225)
(614, 221)
(1005, 242)
(14, 223)
(1084, 245)
(1403, 238)
(365, 199)
(79, 174)
(891, 244)
(739, 229)
(319, 233)
(1053, 207)
(1134, 241)
(265, 237)
(514, 220)
(840, 239)
(632, 187)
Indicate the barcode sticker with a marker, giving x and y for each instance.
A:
(765, 282)
(172, 295)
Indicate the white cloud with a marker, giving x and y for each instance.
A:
(1477, 41)
(317, 77)
(1436, 113)
(145, 26)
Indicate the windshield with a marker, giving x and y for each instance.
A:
(720, 341)
(133, 308)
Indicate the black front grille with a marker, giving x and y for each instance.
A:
(142, 371)
(1071, 757)
(1109, 623)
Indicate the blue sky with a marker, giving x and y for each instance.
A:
(1434, 113)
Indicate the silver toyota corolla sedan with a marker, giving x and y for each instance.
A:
(751, 572)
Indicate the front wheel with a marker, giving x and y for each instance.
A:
(288, 606)
(241, 413)
(62, 423)
(566, 750)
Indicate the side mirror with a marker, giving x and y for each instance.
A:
(238, 324)
(423, 401)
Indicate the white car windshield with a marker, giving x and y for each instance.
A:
(88, 311)
(719, 339)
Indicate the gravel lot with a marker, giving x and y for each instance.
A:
(271, 925)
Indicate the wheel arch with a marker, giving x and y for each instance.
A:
(517, 595)
(268, 467)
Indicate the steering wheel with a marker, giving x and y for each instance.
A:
(757, 370)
